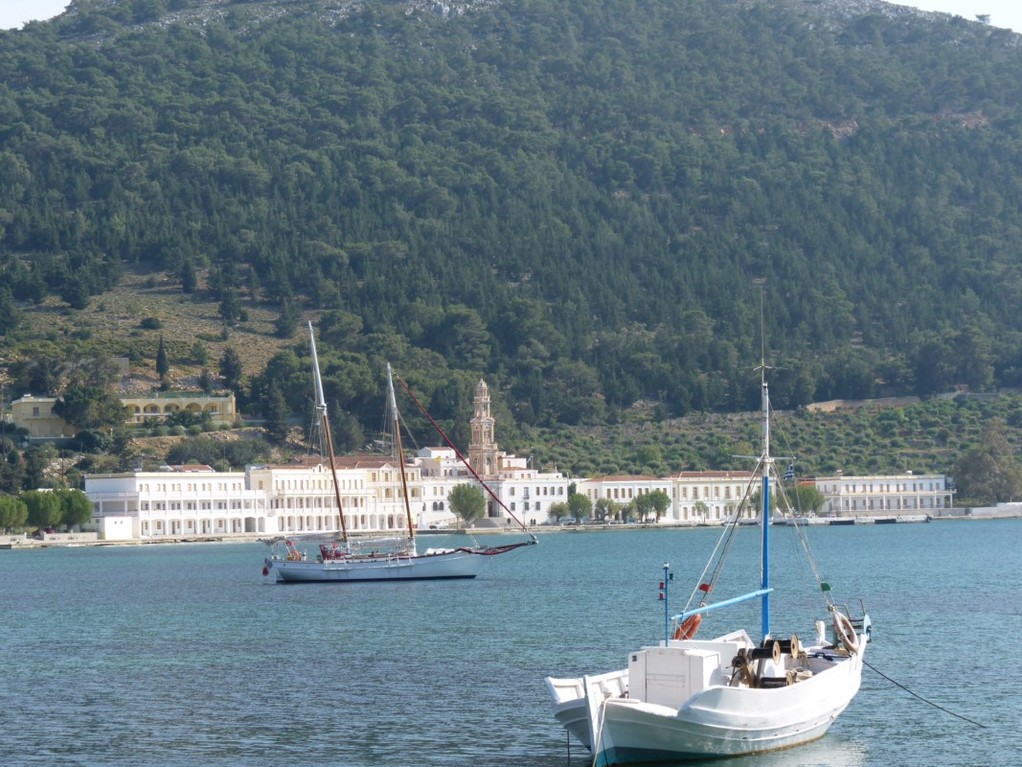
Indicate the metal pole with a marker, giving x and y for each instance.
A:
(667, 603)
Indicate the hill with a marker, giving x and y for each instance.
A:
(574, 200)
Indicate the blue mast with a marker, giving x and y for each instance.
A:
(765, 466)
(764, 517)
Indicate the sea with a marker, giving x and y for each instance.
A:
(184, 654)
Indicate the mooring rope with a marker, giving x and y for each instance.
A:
(920, 697)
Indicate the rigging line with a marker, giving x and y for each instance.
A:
(720, 551)
(802, 535)
(723, 548)
(464, 460)
(920, 697)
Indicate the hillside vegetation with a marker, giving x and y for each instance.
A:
(573, 200)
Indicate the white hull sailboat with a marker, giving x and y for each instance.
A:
(686, 699)
(433, 564)
(348, 560)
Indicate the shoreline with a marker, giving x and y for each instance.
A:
(77, 540)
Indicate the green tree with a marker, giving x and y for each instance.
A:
(42, 375)
(989, 472)
(189, 282)
(276, 412)
(90, 407)
(12, 472)
(467, 502)
(347, 432)
(628, 511)
(230, 306)
(579, 507)
(650, 456)
(287, 321)
(659, 502)
(206, 381)
(44, 507)
(643, 506)
(162, 364)
(558, 511)
(231, 369)
(199, 353)
(701, 510)
(38, 458)
(10, 314)
(75, 506)
(606, 508)
(340, 329)
(13, 512)
(806, 499)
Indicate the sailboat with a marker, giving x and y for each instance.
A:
(688, 698)
(352, 560)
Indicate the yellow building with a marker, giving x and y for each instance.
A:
(36, 415)
(221, 408)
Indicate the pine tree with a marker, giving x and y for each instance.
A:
(162, 364)
(231, 369)
(189, 282)
(287, 320)
(275, 407)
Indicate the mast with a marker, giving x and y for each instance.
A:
(765, 463)
(400, 456)
(324, 423)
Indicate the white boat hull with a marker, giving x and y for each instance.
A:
(569, 697)
(449, 564)
(724, 721)
(718, 720)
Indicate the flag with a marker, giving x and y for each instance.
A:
(790, 473)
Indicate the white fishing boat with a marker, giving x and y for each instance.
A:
(686, 698)
(394, 559)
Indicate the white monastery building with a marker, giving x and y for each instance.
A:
(299, 498)
(878, 495)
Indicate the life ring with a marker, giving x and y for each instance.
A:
(846, 632)
(688, 627)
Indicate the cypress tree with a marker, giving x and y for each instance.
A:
(162, 364)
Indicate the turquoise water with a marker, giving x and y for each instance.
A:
(186, 655)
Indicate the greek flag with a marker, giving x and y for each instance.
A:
(790, 473)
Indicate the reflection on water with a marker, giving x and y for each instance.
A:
(832, 750)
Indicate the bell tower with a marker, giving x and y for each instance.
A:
(482, 450)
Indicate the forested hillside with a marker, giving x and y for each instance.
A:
(576, 200)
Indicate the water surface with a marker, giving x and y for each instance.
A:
(185, 655)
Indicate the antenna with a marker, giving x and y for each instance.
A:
(762, 335)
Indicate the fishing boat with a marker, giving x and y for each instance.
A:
(395, 559)
(686, 698)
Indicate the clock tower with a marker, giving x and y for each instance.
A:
(482, 450)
